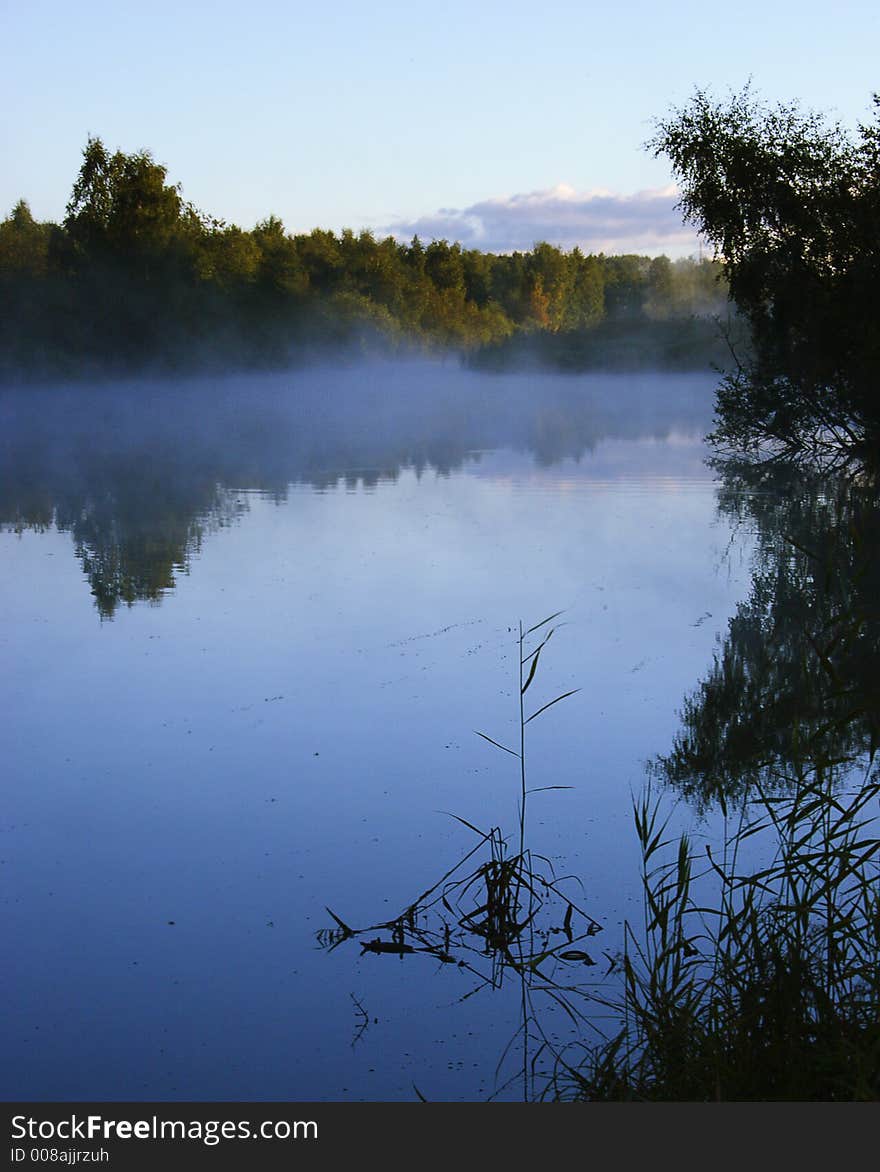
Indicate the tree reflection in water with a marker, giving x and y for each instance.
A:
(795, 678)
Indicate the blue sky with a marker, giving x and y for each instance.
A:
(496, 123)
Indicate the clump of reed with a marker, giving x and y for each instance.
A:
(499, 913)
(755, 980)
(491, 914)
(496, 917)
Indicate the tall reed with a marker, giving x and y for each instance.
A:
(753, 982)
(499, 913)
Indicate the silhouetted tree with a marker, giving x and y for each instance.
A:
(791, 205)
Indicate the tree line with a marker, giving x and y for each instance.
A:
(137, 277)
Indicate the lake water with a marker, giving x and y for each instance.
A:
(251, 627)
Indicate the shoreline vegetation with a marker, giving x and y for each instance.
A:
(135, 279)
(791, 202)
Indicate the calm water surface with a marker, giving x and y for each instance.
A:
(250, 627)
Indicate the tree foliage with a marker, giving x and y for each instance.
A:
(136, 276)
(791, 204)
(122, 209)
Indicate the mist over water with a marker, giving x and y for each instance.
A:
(254, 622)
(309, 425)
(137, 472)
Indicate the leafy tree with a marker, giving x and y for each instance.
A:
(625, 285)
(444, 266)
(121, 209)
(415, 256)
(510, 286)
(24, 244)
(321, 258)
(374, 269)
(791, 206)
(551, 280)
(660, 291)
(229, 257)
(478, 275)
(281, 271)
(588, 292)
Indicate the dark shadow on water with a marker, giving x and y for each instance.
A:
(794, 679)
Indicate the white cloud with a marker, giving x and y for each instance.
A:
(596, 221)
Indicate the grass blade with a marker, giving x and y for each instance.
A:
(564, 696)
(544, 622)
(497, 746)
(532, 671)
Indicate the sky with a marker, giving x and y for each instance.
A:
(494, 122)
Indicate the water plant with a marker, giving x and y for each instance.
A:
(500, 914)
(753, 980)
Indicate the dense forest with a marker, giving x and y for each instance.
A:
(135, 277)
